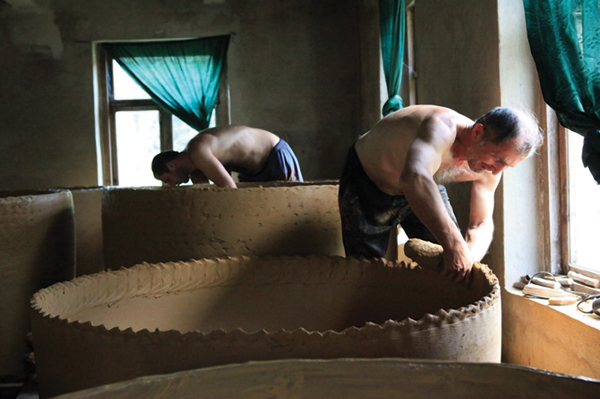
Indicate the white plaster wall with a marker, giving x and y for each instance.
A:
(519, 82)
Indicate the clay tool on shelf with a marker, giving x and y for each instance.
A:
(545, 285)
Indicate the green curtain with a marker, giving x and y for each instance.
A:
(564, 36)
(392, 22)
(181, 76)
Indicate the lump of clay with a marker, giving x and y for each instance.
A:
(425, 253)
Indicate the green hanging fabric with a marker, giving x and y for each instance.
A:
(392, 22)
(180, 76)
(564, 37)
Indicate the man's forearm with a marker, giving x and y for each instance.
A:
(426, 202)
(479, 239)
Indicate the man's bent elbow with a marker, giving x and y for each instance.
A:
(411, 179)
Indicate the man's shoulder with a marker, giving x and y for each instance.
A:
(450, 118)
(425, 114)
(200, 141)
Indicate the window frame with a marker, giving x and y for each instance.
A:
(556, 231)
(410, 53)
(564, 198)
(552, 187)
(108, 106)
(566, 210)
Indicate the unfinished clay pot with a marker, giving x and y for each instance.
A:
(36, 250)
(89, 249)
(351, 379)
(162, 318)
(203, 221)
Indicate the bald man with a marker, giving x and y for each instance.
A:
(395, 175)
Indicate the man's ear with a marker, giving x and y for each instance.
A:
(171, 165)
(477, 132)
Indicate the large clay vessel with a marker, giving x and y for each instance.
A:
(36, 250)
(89, 249)
(351, 379)
(167, 317)
(183, 223)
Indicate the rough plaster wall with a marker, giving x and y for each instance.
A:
(41, 78)
(371, 67)
(456, 60)
(294, 68)
(456, 54)
(303, 83)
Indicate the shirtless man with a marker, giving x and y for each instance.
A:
(256, 154)
(394, 174)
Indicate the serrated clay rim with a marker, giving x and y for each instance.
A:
(246, 186)
(29, 196)
(112, 195)
(169, 277)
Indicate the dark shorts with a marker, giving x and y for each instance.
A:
(281, 164)
(368, 214)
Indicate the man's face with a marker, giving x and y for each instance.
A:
(173, 178)
(485, 156)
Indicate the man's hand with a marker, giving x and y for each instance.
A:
(432, 256)
(458, 263)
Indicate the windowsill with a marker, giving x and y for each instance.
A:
(570, 310)
(548, 337)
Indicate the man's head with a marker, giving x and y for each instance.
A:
(502, 125)
(166, 168)
(503, 138)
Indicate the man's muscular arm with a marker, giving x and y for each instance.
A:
(423, 159)
(481, 224)
(201, 156)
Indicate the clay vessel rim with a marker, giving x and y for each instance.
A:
(437, 319)
(213, 188)
(21, 194)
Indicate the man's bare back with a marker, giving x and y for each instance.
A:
(256, 154)
(239, 148)
(383, 150)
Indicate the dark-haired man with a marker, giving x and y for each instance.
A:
(394, 174)
(257, 155)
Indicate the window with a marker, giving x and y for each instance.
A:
(582, 207)
(410, 55)
(133, 128)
